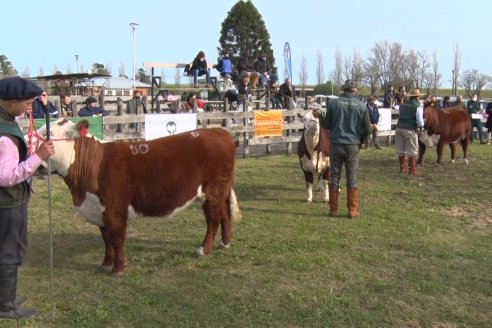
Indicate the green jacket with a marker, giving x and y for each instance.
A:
(473, 107)
(347, 120)
(407, 119)
(18, 194)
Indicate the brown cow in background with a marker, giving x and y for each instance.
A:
(442, 127)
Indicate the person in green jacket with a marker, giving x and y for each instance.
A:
(347, 120)
(408, 129)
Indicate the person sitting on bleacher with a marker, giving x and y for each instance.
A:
(228, 89)
(199, 68)
(246, 68)
(90, 108)
(263, 69)
(224, 66)
(288, 94)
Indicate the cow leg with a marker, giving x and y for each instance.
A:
(213, 216)
(439, 150)
(326, 180)
(464, 146)
(108, 261)
(226, 225)
(116, 228)
(452, 147)
(309, 177)
(422, 149)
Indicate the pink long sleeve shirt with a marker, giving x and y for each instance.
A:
(11, 171)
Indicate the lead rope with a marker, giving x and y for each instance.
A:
(48, 136)
(34, 133)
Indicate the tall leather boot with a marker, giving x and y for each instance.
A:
(412, 166)
(8, 289)
(333, 193)
(353, 202)
(402, 164)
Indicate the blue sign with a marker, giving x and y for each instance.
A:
(288, 62)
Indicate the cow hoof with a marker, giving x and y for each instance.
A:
(465, 162)
(309, 201)
(451, 161)
(200, 251)
(224, 245)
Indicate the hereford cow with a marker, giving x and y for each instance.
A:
(442, 127)
(113, 181)
(313, 149)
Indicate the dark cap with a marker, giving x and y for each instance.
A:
(349, 85)
(90, 100)
(18, 88)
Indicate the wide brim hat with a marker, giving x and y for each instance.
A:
(415, 93)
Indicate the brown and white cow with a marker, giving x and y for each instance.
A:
(448, 126)
(313, 151)
(111, 182)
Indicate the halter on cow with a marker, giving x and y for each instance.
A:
(313, 150)
(113, 181)
(447, 126)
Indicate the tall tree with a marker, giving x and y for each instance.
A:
(244, 33)
(436, 76)
(473, 81)
(6, 68)
(121, 70)
(99, 68)
(303, 74)
(456, 69)
(389, 58)
(320, 70)
(337, 74)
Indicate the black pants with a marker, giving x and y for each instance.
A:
(13, 235)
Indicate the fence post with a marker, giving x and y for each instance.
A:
(245, 124)
(225, 122)
(119, 112)
(288, 133)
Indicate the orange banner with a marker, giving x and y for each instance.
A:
(268, 123)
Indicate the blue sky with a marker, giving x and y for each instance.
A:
(49, 34)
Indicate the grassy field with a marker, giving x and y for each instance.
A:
(419, 256)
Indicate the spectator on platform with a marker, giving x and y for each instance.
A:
(199, 68)
(224, 66)
(263, 69)
(287, 93)
(90, 109)
(66, 109)
(246, 68)
(41, 105)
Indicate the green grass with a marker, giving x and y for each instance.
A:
(419, 256)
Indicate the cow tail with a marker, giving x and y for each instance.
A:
(235, 212)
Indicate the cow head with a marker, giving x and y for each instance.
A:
(63, 133)
(311, 130)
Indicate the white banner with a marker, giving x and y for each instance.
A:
(384, 119)
(163, 125)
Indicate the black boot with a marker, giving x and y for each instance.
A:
(8, 288)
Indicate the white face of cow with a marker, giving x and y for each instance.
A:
(311, 124)
(62, 133)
